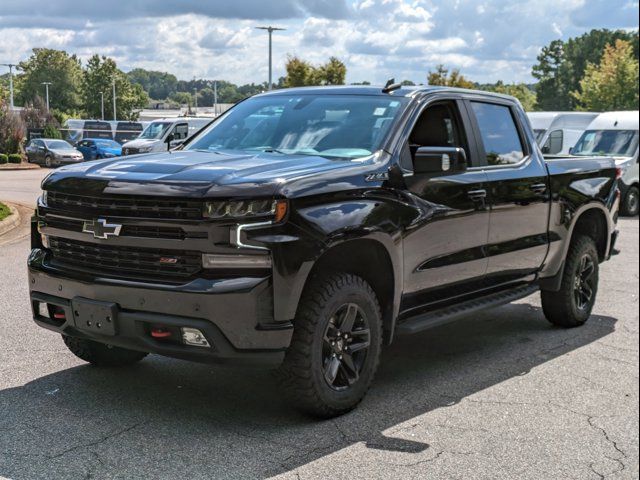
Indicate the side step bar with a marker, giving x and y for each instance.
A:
(439, 317)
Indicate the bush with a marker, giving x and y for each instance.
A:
(15, 158)
(51, 131)
(3, 158)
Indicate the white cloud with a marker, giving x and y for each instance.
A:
(377, 39)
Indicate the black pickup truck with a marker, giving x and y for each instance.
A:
(306, 228)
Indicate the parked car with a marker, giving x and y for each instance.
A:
(562, 129)
(166, 133)
(615, 134)
(340, 219)
(52, 152)
(94, 148)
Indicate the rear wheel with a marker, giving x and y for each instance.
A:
(100, 354)
(336, 346)
(571, 306)
(631, 202)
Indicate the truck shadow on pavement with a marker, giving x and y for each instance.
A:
(171, 419)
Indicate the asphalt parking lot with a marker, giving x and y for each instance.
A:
(501, 395)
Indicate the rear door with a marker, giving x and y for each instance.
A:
(519, 193)
(444, 251)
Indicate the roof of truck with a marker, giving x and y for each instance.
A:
(404, 91)
(627, 120)
(545, 120)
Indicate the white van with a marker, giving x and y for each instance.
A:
(557, 132)
(154, 137)
(615, 134)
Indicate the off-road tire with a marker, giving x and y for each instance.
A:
(100, 354)
(561, 307)
(302, 374)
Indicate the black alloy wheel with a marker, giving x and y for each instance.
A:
(583, 286)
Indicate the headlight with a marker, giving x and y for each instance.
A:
(44, 197)
(144, 149)
(237, 210)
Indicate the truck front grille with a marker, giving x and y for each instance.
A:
(141, 231)
(126, 206)
(125, 262)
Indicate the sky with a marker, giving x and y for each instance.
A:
(488, 40)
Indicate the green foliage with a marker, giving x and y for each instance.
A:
(301, 73)
(561, 65)
(51, 131)
(3, 159)
(12, 129)
(158, 85)
(15, 158)
(100, 74)
(182, 98)
(521, 91)
(59, 68)
(441, 76)
(4, 210)
(613, 84)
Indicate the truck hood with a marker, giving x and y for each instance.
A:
(210, 174)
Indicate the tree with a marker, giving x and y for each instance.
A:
(12, 130)
(442, 77)
(613, 84)
(159, 85)
(301, 73)
(99, 76)
(35, 114)
(59, 68)
(561, 65)
(519, 90)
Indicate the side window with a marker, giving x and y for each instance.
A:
(554, 142)
(181, 131)
(499, 133)
(438, 126)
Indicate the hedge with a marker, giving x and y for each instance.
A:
(3, 158)
(4, 211)
(15, 158)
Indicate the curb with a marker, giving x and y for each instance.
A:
(11, 222)
(29, 166)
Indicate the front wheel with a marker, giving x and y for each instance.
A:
(631, 202)
(571, 306)
(100, 354)
(48, 162)
(335, 350)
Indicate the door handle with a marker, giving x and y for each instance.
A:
(539, 187)
(477, 194)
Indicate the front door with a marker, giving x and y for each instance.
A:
(519, 193)
(444, 251)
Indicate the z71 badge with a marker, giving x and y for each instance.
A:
(376, 177)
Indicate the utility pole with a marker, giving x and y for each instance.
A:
(195, 100)
(102, 104)
(270, 29)
(114, 99)
(10, 65)
(46, 87)
(215, 98)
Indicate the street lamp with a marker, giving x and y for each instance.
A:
(195, 100)
(102, 104)
(270, 29)
(114, 98)
(46, 87)
(10, 65)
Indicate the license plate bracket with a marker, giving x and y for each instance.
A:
(95, 316)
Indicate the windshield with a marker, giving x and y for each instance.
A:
(58, 145)
(155, 130)
(341, 126)
(616, 143)
(107, 144)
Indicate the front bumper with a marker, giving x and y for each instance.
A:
(235, 314)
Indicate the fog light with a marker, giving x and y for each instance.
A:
(193, 336)
(235, 261)
(43, 309)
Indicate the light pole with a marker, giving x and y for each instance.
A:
(102, 104)
(10, 65)
(215, 98)
(270, 29)
(114, 98)
(46, 87)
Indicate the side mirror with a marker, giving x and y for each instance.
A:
(545, 149)
(439, 161)
(168, 140)
(176, 143)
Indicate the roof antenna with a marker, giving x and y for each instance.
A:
(391, 86)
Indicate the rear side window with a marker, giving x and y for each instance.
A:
(553, 144)
(499, 133)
